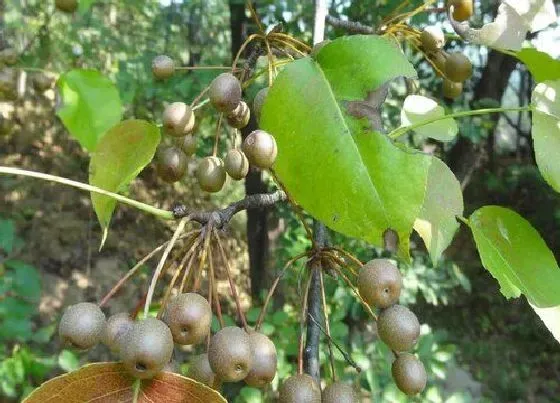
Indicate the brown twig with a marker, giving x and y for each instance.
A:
(350, 26)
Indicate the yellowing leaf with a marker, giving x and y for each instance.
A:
(110, 383)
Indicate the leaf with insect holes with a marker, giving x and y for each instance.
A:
(89, 105)
(120, 156)
(331, 161)
(109, 382)
(516, 255)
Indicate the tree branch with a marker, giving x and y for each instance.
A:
(220, 218)
(350, 26)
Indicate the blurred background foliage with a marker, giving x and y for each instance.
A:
(476, 345)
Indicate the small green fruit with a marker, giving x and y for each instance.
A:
(225, 92)
(163, 67)
(340, 392)
(452, 90)
(116, 330)
(211, 174)
(458, 67)
(409, 374)
(398, 328)
(300, 389)
(432, 38)
(260, 148)
(200, 371)
(82, 325)
(236, 164)
(178, 119)
(188, 144)
(229, 354)
(463, 9)
(380, 283)
(171, 164)
(264, 359)
(189, 317)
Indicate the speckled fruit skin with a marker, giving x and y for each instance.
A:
(188, 316)
(409, 374)
(225, 92)
(458, 67)
(340, 392)
(432, 38)
(117, 328)
(236, 164)
(171, 164)
(178, 119)
(300, 389)
(188, 144)
(398, 328)
(211, 174)
(229, 354)
(380, 283)
(260, 149)
(82, 325)
(452, 90)
(200, 371)
(148, 348)
(163, 67)
(264, 365)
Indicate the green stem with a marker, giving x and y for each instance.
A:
(167, 215)
(402, 130)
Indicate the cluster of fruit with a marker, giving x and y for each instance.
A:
(379, 284)
(455, 67)
(258, 149)
(146, 346)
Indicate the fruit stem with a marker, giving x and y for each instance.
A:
(213, 290)
(164, 214)
(402, 130)
(327, 325)
(302, 327)
(217, 138)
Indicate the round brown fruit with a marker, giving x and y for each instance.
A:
(438, 58)
(200, 371)
(171, 164)
(178, 119)
(188, 144)
(258, 102)
(147, 349)
(117, 328)
(264, 359)
(211, 174)
(260, 148)
(452, 90)
(229, 354)
(458, 67)
(340, 392)
(463, 9)
(409, 374)
(380, 283)
(82, 325)
(225, 92)
(163, 67)
(398, 328)
(189, 317)
(432, 38)
(236, 164)
(300, 388)
(239, 117)
(42, 82)
(66, 6)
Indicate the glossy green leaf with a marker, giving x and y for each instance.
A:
(7, 235)
(120, 156)
(541, 65)
(332, 163)
(546, 130)
(516, 255)
(89, 105)
(417, 109)
(437, 221)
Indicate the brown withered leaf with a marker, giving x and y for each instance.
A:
(109, 382)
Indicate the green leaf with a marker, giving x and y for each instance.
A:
(25, 278)
(120, 156)
(7, 235)
(551, 319)
(331, 162)
(417, 109)
(85, 5)
(68, 361)
(546, 130)
(90, 105)
(516, 255)
(541, 65)
(436, 222)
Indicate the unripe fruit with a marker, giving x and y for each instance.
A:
(236, 164)
(188, 144)
(300, 389)
(260, 148)
(258, 102)
(398, 328)
(229, 354)
(67, 6)
(178, 119)
(116, 331)
(439, 58)
(163, 67)
(432, 38)
(340, 392)
(82, 325)
(458, 67)
(148, 348)
(264, 359)
(189, 317)
(239, 117)
(42, 82)
(409, 374)
(211, 174)
(380, 283)
(463, 9)
(200, 371)
(171, 164)
(9, 56)
(452, 90)
(225, 92)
